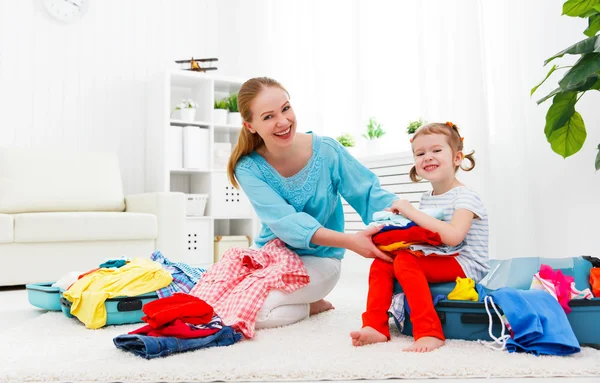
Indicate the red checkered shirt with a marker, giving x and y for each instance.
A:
(238, 284)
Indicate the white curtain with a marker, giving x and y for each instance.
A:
(467, 61)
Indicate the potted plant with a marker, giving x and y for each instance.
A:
(414, 125)
(234, 117)
(565, 129)
(347, 140)
(187, 110)
(220, 111)
(373, 134)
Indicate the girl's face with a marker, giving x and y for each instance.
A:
(273, 118)
(434, 160)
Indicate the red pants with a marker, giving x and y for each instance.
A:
(413, 273)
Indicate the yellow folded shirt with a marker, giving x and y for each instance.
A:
(140, 276)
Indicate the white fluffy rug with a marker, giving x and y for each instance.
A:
(55, 348)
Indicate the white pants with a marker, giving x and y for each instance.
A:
(281, 309)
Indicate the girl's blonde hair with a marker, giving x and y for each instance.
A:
(454, 140)
(248, 142)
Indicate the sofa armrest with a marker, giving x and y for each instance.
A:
(169, 209)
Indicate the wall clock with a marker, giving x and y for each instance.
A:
(66, 11)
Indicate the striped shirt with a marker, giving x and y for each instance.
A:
(473, 258)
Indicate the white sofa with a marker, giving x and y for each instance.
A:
(65, 211)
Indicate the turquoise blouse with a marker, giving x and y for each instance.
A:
(294, 208)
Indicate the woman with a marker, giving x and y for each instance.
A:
(294, 182)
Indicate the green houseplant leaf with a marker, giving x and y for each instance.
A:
(585, 67)
(591, 44)
(563, 107)
(598, 159)
(569, 138)
(593, 25)
(554, 67)
(592, 82)
(578, 7)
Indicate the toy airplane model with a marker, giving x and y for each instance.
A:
(196, 64)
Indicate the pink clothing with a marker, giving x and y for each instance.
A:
(238, 284)
(560, 286)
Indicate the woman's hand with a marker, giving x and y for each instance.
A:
(364, 246)
(401, 206)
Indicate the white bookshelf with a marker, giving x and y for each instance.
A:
(228, 211)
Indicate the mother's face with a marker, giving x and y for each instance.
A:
(273, 118)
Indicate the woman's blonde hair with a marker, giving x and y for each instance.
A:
(454, 140)
(248, 142)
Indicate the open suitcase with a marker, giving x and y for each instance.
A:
(469, 320)
(119, 310)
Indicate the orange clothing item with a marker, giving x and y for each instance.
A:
(595, 281)
(413, 273)
(414, 234)
(396, 246)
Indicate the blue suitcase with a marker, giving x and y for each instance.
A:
(119, 310)
(469, 320)
(44, 296)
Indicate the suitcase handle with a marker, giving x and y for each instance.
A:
(64, 302)
(478, 319)
(130, 305)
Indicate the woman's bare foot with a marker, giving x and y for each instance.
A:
(367, 335)
(320, 306)
(425, 344)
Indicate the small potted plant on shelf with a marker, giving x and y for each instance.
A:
(187, 110)
(414, 125)
(234, 117)
(374, 133)
(220, 111)
(347, 141)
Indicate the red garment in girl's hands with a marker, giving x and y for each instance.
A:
(415, 234)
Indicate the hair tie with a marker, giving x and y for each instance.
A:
(462, 139)
(411, 140)
(449, 124)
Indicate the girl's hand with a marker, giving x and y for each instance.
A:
(401, 206)
(364, 246)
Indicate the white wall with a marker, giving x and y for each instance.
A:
(83, 85)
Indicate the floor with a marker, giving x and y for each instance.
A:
(16, 309)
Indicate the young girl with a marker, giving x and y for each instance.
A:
(438, 154)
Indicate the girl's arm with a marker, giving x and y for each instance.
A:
(452, 234)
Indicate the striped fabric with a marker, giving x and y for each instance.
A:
(473, 257)
(184, 276)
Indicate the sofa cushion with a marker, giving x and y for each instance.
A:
(6, 228)
(85, 226)
(41, 180)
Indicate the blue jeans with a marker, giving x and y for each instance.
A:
(154, 347)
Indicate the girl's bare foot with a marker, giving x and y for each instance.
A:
(367, 335)
(320, 306)
(425, 344)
